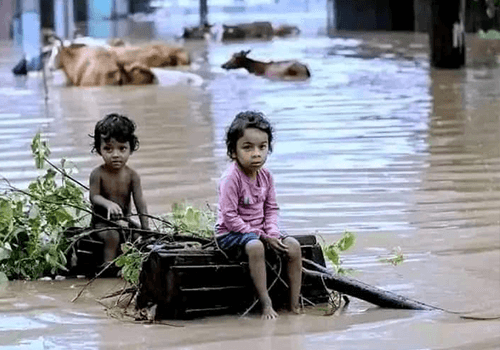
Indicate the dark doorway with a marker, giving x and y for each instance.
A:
(402, 15)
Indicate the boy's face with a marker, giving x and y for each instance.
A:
(115, 154)
(251, 150)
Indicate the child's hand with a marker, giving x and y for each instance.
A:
(114, 211)
(276, 244)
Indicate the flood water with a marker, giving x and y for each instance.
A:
(376, 142)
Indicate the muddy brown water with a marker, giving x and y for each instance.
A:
(377, 143)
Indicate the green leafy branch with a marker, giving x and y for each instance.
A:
(32, 221)
(131, 263)
(334, 250)
(188, 219)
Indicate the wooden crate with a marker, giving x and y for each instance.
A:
(200, 282)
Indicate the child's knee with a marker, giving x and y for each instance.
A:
(294, 250)
(111, 237)
(255, 248)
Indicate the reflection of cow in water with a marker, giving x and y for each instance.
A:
(288, 70)
(114, 65)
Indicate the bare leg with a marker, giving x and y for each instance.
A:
(294, 270)
(111, 240)
(257, 265)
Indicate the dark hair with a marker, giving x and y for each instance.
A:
(115, 126)
(243, 121)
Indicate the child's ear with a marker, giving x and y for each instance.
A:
(233, 155)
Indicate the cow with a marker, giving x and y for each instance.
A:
(287, 70)
(254, 30)
(97, 66)
(286, 30)
(151, 55)
(198, 33)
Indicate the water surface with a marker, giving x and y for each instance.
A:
(377, 142)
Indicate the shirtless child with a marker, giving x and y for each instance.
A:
(113, 184)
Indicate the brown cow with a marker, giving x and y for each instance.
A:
(254, 30)
(149, 55)
(93, 66)
(288, 70)
(286, 30)
(153, 55)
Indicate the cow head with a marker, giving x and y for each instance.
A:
(238, 60)
(54, 62)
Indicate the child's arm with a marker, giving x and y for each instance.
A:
(139, 202)
(112, 208)
(271, 229)
(271, 210)
(228, 206)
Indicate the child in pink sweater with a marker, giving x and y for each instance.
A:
(248, 212)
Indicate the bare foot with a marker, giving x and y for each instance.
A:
(268, 313)
(297, 310)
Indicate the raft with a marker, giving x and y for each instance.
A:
(190, 283)
(185, 277)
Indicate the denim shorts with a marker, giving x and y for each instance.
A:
(233, 243)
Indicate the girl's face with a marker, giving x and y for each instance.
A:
(115, 154)
(251, 151)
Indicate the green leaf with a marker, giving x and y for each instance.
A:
(6, 217)
(40, 150)
(332, 251)
(4, 253)
(346, 241)
(3, 277)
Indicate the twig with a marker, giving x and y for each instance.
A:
(65, 174)
(45, 88)
(120, 292)
(168, 223)
(92, 280)
(269, 288)
(14, 189)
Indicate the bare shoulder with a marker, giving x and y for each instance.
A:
(96, 172)
(134, 176)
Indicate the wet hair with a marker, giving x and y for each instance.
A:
(115, 126)
(243, 121)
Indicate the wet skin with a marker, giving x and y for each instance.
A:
(111, 187)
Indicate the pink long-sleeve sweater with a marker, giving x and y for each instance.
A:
(247, 205)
